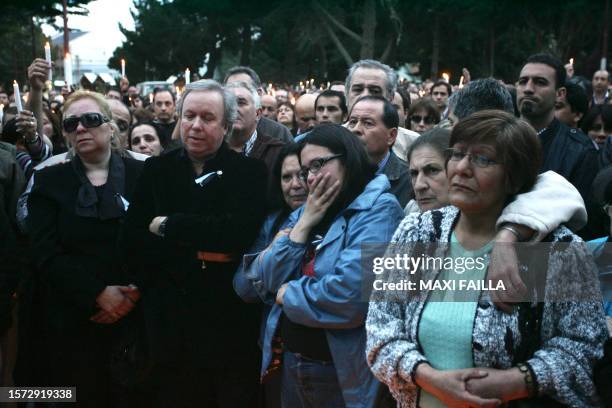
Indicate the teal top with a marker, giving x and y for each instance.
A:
(447, 320)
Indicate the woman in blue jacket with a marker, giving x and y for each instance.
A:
(312, 271)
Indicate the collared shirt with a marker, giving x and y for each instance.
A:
(383, 163)
(248, 146)
(603, 102)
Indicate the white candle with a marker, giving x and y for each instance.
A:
(68, 69)
(150, 98)
(446, 76)
(48, 58)
(122, 67)
(187, 76)
(461, 82)
(17, 96)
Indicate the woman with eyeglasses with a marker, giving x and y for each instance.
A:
(289, 194)
(423, 115)
(438, 347)
(312, 270)
(75, 211)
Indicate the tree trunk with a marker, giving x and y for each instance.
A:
(435, 52)
(604, 45)
(66, 32)
(33, 38)
(245, 55)
(323, 64)
(213, 60)
(492, 51)
(368, 32)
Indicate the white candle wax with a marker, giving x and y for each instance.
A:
(17, 96)
(68, 69)
(122, 67)
(187, 76)
(48, 58)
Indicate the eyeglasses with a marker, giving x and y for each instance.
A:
(315, 166)
(477, 159)
(418, 118)
(89, 120)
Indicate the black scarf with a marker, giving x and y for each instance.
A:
(110, 204)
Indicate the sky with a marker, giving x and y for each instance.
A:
(102, 23)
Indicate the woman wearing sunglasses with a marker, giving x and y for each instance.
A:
(438, 347)
(313, 273)
(75, 211)
(423, 115)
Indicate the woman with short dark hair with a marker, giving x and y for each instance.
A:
(429, 347)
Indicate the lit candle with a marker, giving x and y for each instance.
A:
(17, 96)
(68, 69)
(292, 100)
(446, 76)
(48, 58)
(187, 76)
(151, 98)
(461, 82)
(122, 67)
(571, 61)
(328, 84)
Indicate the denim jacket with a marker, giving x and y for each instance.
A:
(332, 299)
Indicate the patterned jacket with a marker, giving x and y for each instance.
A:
(571, 335)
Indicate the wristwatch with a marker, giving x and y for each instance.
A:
(161, 231)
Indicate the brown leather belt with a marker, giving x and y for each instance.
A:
(216, 257)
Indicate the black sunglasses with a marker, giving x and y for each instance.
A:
(89, 120)
(418, 118)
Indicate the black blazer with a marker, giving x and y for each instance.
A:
(191, 311)
(77, 257)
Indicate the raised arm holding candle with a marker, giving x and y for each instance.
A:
(37, 76)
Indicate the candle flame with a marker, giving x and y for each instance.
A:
(571, 61)
(15, 82)
(445, 76)
(47, 45)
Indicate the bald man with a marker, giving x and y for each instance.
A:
(268, 107)
(122, 118)
(305, 112)
(601, 80)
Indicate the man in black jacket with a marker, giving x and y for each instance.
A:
(195, 211)
(566, 151)
(374, 120)
(11, 184)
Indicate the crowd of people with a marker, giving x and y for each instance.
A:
(209, 248)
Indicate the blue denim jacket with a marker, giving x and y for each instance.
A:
(332, 299)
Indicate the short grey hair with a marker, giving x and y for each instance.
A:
(254, 95)
(373, 64)
(479, 95)
(230, 108)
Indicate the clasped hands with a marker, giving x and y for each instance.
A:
(115, 302)
(472, 387)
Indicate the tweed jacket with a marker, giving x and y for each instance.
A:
(571, 334)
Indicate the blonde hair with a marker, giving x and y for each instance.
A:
(106, 111)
